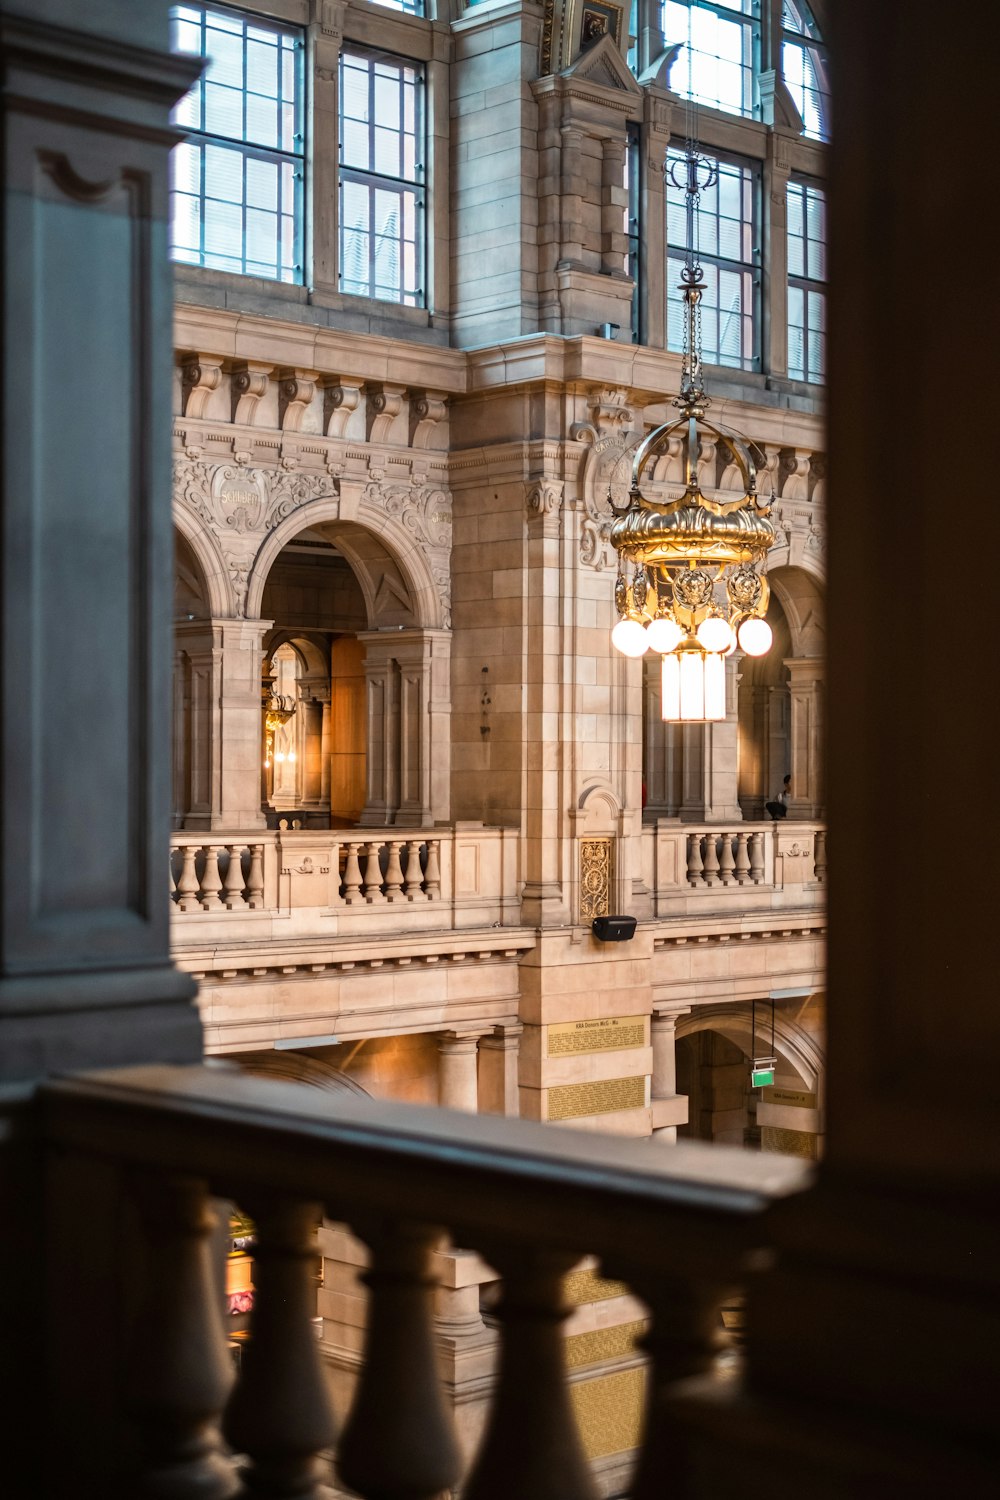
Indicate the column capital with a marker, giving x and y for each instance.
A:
(503, 1038)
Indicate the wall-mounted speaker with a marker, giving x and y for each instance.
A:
(613, 929)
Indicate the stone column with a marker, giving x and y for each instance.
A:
(326, 36)
(807, 695)
(237, 723)
(458, 1075)
(670, 1109)
(652, 210)
(543, 899)
(86, 551)
(774, 268)
(498, 1061)
(408, 742)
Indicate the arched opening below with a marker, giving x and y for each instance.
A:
(313, 687)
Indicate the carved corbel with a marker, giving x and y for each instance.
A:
(796, 464)
(425, 413)
(543, 497)
(295, 393)
(329, 16)
(340, 399)
(201, 374)
(385, 403)
(249, 384)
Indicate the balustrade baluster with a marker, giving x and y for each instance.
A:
(726, 862)
(255, 878)
(432, 875)
(742, 864)
(352, 876)
(531, 1448)
(683, 1340)
(211, 880)
(177, 1396)
(414, 875)
(398, 1443)
(187, 881)
(394, 872)
(819, 854)
(170, 876)
(694, 864)
(232, 890)
(757, 857)
(711, 868)
(279, 1414)
(336, 892)
(373, 874)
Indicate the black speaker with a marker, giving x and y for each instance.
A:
(613, 929)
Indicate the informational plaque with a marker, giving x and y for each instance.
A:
(604, 1034)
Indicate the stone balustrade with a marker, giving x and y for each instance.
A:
(529, 1198)
(688, 867)
(350, 881)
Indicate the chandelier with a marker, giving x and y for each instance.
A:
(690, 585)
(278, 709)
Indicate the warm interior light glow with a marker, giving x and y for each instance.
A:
(663, 634)
(755, 636)
(692, 687)
(715, 634)
(630, 638)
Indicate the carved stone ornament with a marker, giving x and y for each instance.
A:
(544, 497)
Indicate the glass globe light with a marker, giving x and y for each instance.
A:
(663, 634)
(630, 638)
(715, 634)
(755, 636)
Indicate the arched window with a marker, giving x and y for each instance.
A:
(715, 65)
(804, 64)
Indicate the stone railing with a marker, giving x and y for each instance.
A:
(676, 1228)
(347, 881)
(690, 867)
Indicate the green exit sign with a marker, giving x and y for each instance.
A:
(762, 1077)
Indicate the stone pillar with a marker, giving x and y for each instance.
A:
(653, 218)
(670, 1109)
(86, 550)
(774, 269)
(458, 1076)
(498, 1064)
(543, 899)
(807, 695)
(238, 723)
(408, 738)
(326, 36)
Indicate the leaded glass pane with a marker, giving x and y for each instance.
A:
(381, 221)
(244, 147)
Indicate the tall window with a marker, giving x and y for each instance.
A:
(803, 62)
(726, 238)
(381, 177)
(236, 190)
(806, 282)
(715, 64)
(410, 7)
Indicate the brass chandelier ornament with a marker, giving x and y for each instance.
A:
(689, 584)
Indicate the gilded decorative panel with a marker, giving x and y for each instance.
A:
(787, 1142)
(586, 1286)
(596, 877)
(609, 1411)
(603, 1343)
(605, 1034)
(569, 1101)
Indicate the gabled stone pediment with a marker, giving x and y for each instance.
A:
(603, 64)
